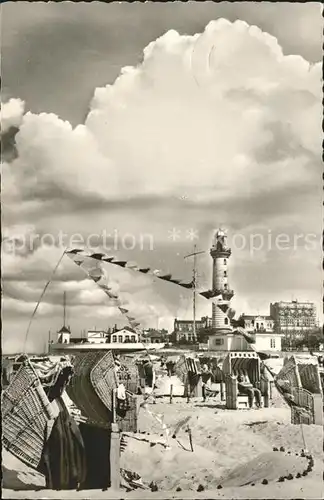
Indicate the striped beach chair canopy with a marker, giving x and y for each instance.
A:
(302, 371)
(193, 365)
(247, 362)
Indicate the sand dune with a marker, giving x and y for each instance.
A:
(231, 449)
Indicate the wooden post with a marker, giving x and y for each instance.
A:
(222, 391)
(299, 384)
(231, 392)
(199, 389)
(190, 439)
(114, 448)
(115, 457)
(266, 394)
(171, 392)
(318, 409)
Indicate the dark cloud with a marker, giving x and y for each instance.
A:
(8, 145)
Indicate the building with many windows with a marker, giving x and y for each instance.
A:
(184, 329)
(125, 335)
(293, 319)
(257, 323)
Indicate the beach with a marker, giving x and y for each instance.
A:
(232, 455)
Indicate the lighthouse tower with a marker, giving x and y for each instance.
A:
(220, 253)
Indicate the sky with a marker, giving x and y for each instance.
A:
(139, 129)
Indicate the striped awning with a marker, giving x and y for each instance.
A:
(193, 365)
(242, 362)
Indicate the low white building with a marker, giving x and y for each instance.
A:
(264, 341)
(257, 323)
(262, 327)
(97, 336)
(227, 341)
(268, 341)
(64, 335)
(125, 335)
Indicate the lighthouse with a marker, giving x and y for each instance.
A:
(220, 254)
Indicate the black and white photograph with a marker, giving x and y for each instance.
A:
(161, 249)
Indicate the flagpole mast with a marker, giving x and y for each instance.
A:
(194, 291)
(194, 284)
(64, 308)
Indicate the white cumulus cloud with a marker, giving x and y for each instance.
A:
(222, 118)
(221, 114)
(11, 114)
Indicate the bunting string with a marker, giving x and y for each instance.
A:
(98, 275)
(81, 254)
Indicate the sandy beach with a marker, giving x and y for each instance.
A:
(232, 456)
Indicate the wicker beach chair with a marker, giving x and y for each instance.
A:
(310, 378)
(27, 416)
(181, 369)
(128, 375)
(92, 385)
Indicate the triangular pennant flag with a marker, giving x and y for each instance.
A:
(186, 285)
(79, 262)
(111, 295)
(175, 281)
(121, 263)
(96, 275)
(223, 307)
(108, 259)
(122, 310)
(231, 313)
(208, 294)
(134, 324)
(130, 318)
(104, 287)
(166, 277)
(145, 270)
(133, 266)
(97, 256)
(75, 251)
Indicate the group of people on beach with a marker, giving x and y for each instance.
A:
(76, 455)
(244, 385)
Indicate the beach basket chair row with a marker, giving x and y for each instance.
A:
(28, 416)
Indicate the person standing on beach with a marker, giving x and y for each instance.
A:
(251, 392)
(63, 460)
(206, 376)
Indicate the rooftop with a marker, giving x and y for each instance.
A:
(253, 316)
(128, 328)
(189, 321)
(64, 329)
